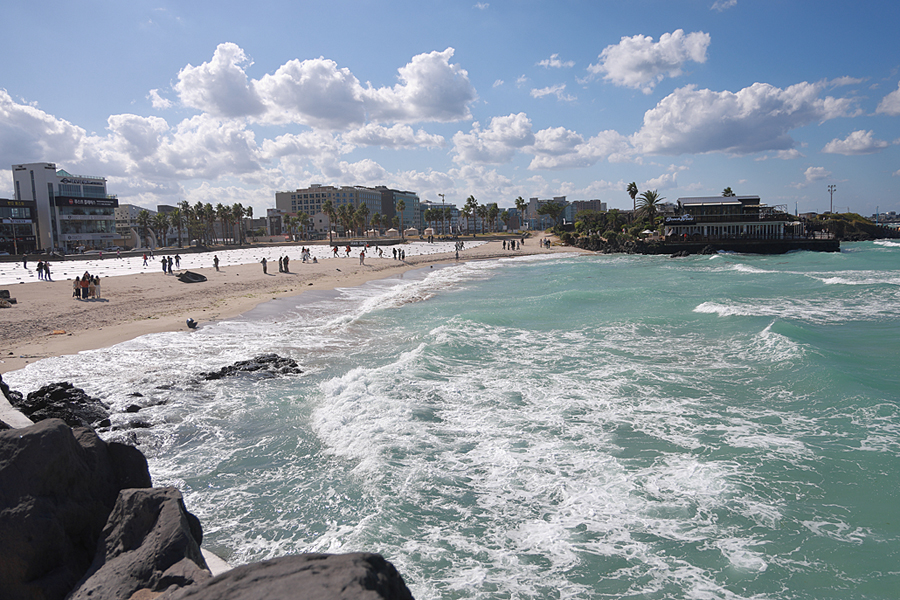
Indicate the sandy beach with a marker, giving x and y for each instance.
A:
(47, 321)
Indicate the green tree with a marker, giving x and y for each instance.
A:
(400, 206)
(649, 205)
(177, 221)
(160, 224)
(551, 209)
(727, 192)
(492, 212)
(505, 216)
(521, 205)
(469, 210)
(143, 223)
(448, 218)
(328, 209)
(362, 216)
(482, 211)
(632, 190)
(304, 220)
(376, 222)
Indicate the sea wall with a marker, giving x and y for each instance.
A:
(79, 519)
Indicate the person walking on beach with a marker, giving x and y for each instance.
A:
(263, 262)
(286, 261)
(280, 264)
(25, 262)
(216, 262)
(145, 259)
(47, 271)
(362, 257)
(177, 261)
(170, 261)
(165, 265)
(76, 288)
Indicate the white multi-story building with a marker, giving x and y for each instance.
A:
(73, 211)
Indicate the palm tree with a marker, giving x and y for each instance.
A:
(400, 206)
(328, 209)
(143, 223)
(632, 190)
(362, 216)
(376, 221)
(727, 192)
(492, 213)
(160, 225)
(504, 216)
(649, 205)
(482, 211)
(470, 209)
(304, 220)
(448, 216)
(177, 220)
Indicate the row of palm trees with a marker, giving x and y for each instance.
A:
(198, 221)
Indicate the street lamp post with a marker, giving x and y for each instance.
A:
(443, 224)
(831, 189)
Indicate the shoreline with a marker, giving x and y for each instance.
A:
(46, 321)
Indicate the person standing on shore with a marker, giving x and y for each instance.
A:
(216, 262)
(280, 264)
(76, 288)
(47, 271)
(170, 265)
(25, 262)
(286, 261)
(165, 265)
(97, 285)
(145, 259)
(177, 261)
(362, 257)
(263, 262)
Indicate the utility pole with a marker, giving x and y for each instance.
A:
(443, 224)
(831, 189)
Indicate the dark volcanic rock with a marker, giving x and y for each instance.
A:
(266, 364)
(57, 488)
(11, 396)
(150, 542)
(62, 401)
(361, 576)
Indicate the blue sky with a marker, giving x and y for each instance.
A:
(231, 102)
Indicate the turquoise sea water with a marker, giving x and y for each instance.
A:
(569, 426)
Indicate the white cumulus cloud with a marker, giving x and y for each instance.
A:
(220, 86)
(816, 174)
(558, 90)
(755, 119)
(640, 63)
(858, 142)
(555, 63)
(397, 136)
(319, 93)
(495, 144)
(890, 104)
(558, 148)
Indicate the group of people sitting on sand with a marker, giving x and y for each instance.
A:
(86, 286)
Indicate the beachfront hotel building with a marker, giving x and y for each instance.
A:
(380, 200)
(311, 199)
(73, 212)
(729, 218)
(451, 225)
(17, 226)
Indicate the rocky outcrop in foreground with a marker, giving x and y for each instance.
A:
(359, 576)
(268, 365)
(61, 401)
(79, 520)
